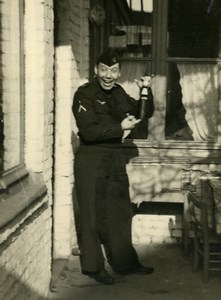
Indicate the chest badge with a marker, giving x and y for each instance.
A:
(101, 102)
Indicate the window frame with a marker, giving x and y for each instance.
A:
(216, 144)
(17, 172)
(23, 192)
(160, 17)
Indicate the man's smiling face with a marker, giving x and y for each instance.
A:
(107, 76)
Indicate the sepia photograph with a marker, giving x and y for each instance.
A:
(110, 149)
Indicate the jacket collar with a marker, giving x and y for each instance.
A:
(99, 91)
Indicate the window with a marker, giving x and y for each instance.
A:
(22, 192)
(12, 72)
(179, 41)
(133, 38)
(194, 46)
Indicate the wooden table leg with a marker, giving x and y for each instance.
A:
(185, 230)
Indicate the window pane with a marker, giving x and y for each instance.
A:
(192, 99)
(194, 28)
(10, 102)
(192, 102)
(131, 28)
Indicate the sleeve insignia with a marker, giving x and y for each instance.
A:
(81, 107)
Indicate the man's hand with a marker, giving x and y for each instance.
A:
(144, 81)
(129, 122)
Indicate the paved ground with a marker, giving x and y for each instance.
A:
(172, 280)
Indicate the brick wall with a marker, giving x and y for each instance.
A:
(71, 69)
(25, 252)
(147, 229)
(25, 264)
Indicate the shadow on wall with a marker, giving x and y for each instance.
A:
(16, 270)
(72, 32)
(68, 31)
(20, 290)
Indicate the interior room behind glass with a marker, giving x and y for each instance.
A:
(193, 39)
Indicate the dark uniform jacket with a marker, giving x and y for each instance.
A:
(99, 113)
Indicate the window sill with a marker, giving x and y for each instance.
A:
(12, 176)
(153, 151)
(19, 201)
(172, 144)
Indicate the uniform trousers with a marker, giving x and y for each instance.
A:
(105, 209)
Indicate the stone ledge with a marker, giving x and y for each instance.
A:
(19, 201)
(13, 176)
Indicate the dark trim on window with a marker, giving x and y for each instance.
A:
(12, 176)
(193, 60)
(20, 197)
(6, 241)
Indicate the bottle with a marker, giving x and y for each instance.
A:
(143, 98)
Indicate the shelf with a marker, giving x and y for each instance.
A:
(136, 59)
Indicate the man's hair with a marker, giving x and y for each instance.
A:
(109, 58)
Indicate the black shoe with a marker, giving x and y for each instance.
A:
(138, 270)
(102, 277)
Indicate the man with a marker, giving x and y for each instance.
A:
(103, 113)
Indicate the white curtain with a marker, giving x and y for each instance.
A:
(132, 70)
(200, 99)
